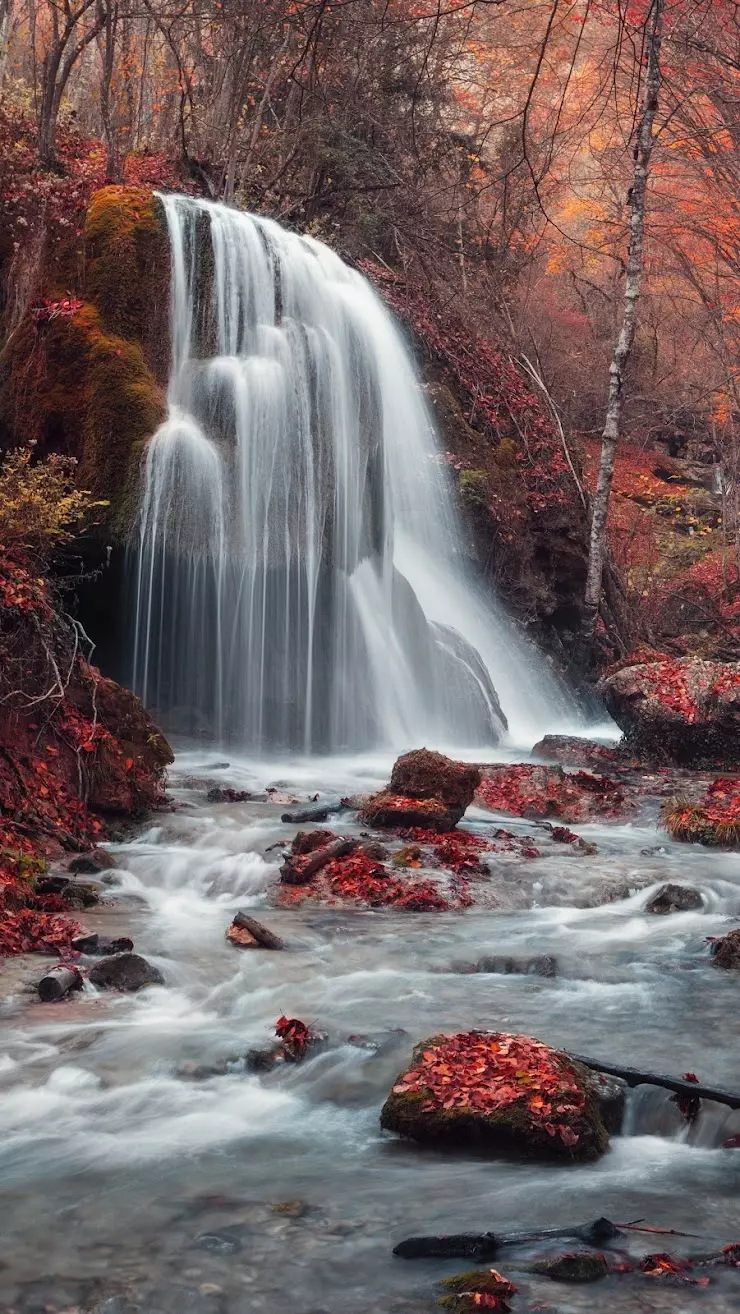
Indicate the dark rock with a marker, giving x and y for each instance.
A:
(675, 898)
(542, 965)
(580, 1266)
(570, 750)
(219, 795)
(306, 841)
(80, 896)
(702, 728)
(513, 1126)
(89, 864)
(52, 884)
(125, 972)
(726, 950)
(611, 1093)
(427, 775)
(101, 945)
(374, 850)
(394, 811)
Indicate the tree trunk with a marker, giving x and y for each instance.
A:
(623, 346)
(6, 27)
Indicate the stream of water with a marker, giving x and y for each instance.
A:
(126, 1170)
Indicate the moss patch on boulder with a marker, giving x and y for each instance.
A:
(500, 1093)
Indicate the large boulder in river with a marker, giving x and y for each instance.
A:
(491, 1091)
(682, 711)
(426, 789)
(425, 774)
(128, 972)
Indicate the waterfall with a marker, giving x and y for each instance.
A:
(300, 579)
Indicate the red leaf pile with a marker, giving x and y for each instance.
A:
(548, 791)
(484, 1073)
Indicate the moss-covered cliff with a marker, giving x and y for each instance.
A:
(84, 372)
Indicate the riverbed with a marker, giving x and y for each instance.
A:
(132, 1176)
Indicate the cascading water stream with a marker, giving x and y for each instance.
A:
(300, 575)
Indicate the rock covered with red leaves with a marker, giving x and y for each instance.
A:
(426, 789)
(683, 711)
(528, 790)
(491, 1091)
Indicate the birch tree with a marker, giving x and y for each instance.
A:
(643, 150)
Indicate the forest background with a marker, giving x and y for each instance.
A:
(480, 154)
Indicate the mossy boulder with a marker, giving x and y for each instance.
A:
(426, 789)
(425, 774)
(391, 811)
(494, 1092)
(480, 1286)
(576, 1266)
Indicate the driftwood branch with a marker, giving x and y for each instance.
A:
(481, 1246)
(635, 1077)
(305, 869)
(317, 813)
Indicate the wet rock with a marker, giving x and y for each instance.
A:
(469, 1291)
(494, 1092)
(307, 841)
(220, 795)
(682, 711)
(290, 1208)
(675, 898)
(127, 972)
(726, 950)
(52, 884)
(101, 946)
(611, 1093)
(580, 1266)
(89, 864)
(247, 933)
(541, 965)
(375, 851)
(81, 896)
(570, 750)
(317, 812)
(427, 775)
(390, 811)
(382, 1042)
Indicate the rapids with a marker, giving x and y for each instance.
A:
(299, 574)
(122, 1173)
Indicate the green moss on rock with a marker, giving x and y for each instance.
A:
(128, 265)
(74, 387)
(548, 1110)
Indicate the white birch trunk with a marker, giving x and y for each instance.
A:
(623, 346)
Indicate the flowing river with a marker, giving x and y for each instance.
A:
(133, 1177)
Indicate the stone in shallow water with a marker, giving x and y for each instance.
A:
(500, 1093)
(125, 972)
(578, 1266)
(675, 898)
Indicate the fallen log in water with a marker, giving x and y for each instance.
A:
(58, 982)
(481, 1246)
(319, 812)
(635, 1077)
(257, 936)
(303, 871)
